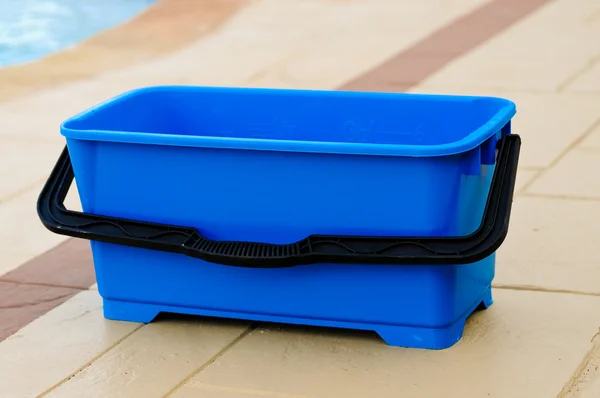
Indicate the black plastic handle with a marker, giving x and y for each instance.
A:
(313, 249)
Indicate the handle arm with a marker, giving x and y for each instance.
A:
(312, 249)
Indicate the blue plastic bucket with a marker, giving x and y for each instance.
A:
(175, 181)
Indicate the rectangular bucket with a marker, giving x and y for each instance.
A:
(371, 211)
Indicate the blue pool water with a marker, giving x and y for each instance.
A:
(32, 29)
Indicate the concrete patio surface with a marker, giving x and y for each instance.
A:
(539, 339)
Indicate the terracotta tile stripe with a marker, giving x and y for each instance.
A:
(67, 265)
(50, 279)
(21, 304)
(428, 56)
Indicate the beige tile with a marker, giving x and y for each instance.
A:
(590, 391)
(11, 260)
(534, 39)
(484, 70)
(50, 108)
(56, 345)
(201, 390)
(504, 63)
(577, 11)
(21, 231)
(574, 175)
(551, 243)
(153, 360)
(520, 347)
(588, 81)
(375, 30)
(592, 140)
(540, 52)
(594, 17)
(555, 18)
(23, 163)
(548, 123)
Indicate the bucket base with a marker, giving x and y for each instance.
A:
(398, 336)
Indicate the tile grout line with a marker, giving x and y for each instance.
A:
(16, 282)
(590, 129)
(252, 393)
(540, 289)
(582, 71)
(89, 363)
(485, 87)
(593, 16)
(521, 191)
(23, 190)
(60, 297)
(430, 87)
(558, 197)
(581, 373)
(595, 94)
(212, 360)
